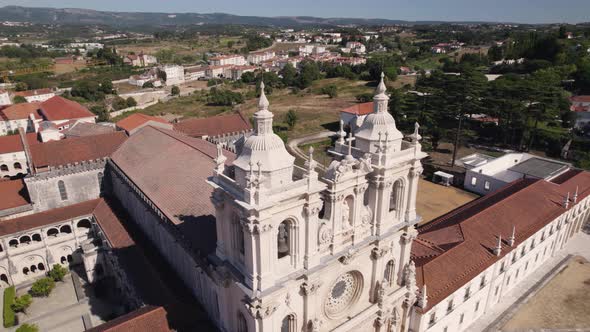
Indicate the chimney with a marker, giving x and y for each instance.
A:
(25, 143)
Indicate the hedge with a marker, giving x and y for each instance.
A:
(9, 316)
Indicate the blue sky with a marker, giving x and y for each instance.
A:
(525, 11)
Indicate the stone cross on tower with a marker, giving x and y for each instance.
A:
(349, 140)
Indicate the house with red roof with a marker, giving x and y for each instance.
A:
(13, 158)
(59, 110)
(24, 115)
(354, 116)
(4, 98)
(38, 95)
(136, 121)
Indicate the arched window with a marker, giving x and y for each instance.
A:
(288, 323)
(62, 190)
(25, 239)
(4, 278)
(284, 239)
(37, 237)
(242, 325)
(84, 223)
(13, 243)
(4, 168)
(65, 229)
(17, 165)
(52, 232)
(396, 198)
(389, 273)
(25, 270)
(41, 267)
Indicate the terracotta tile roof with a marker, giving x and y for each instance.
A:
(71, 150)
(14, 194)
(214, 126)
(455, 248)
(172, 169)
(112, 227)
(21, 111)
(49, 217)
(30, 93)
(360, 109)
(13, 143)
(80, 128)
(136, 120)
(580, 99)
(148, 318)
(59, 108)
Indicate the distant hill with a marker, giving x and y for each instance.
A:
(87, 16)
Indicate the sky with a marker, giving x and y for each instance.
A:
(520, 11)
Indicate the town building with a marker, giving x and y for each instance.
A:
(356, 47)
(354, 116)
(221, 129)
(174, 74)
(256, 58)
(4, 98)
(24, 115)
(195, 73)
(223, 71)
(493, 174)
(140, 60)
(39, 95)
(134, 122)
(307, 50)
(224, 60)
(13, 160)
(148, 76)
(238, 71)
(580, 103)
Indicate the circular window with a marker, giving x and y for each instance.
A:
(344, 293)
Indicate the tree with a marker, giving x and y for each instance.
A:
(131, 102)
(42, 287)
(309, 73)
(291, 118)
(19, 99)
(119, 103)
(106, 86)
(58, 272)
(175, 91)
(230, 44)
(364, 97)
(147, 85)
(103, 114)
(21, 303)
(248, 77)
(330, 90)
(21, 86)
(28, 328)
(288, 74)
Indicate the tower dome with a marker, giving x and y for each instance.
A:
(264, 151)
(379, 125)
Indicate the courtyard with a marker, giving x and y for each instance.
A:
(564, 303)
(434, 200)
(73, 306)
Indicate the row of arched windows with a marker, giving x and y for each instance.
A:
(53, 231)
(288, 324)
(4, 167)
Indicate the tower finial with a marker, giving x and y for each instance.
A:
(381, 88)
(263, 101)
(575, 198)
(512, 237)
(566, 200)
(498, 248)
(423, 300)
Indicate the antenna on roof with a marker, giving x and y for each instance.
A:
(498, 248)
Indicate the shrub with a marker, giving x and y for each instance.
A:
(58, 272)
(131, 102)
(19, 99)
(22, 303)
(28, 328)
(175, 90)
(8, 313)
(330, 90)
(291, 119)
(42, 287)
(119, 103)
(364, 97)
(147, 85)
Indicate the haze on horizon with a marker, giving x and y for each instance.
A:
(518, 11)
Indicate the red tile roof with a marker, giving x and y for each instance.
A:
(77, 149)
(580, 99)
(13, 143)
(183, 194)
(360, 109)
(148, 318)
(455, 248)
(214, 126)
(136, 120)
(21, 111)
(49, 217)
(14, 194)
(58, 108)
(30, 93)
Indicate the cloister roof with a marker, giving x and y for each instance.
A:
(147, 318)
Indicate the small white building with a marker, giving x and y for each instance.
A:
(258, 57)
(194, 73)
(496, 173)
(356, 47)
(141, 60)
(174, 74)
(223, 60)
(4, 98)
(38, 95)
(307, 50)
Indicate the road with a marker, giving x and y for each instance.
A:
(293, 144)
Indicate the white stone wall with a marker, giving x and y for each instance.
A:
(502, 277)
(12, 164)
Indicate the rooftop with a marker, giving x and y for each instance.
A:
(77, 149)
(30, 93)
(137, 120)
(513, 166)
(80, 128)
(540, 168)
(214, 126)
(360, 109)
(58, 108)
(13, 143)
(148, 318)
(14, 194)
(456, 247)
(21, 111)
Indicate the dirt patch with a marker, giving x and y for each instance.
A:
(435, 200)
(564, 303)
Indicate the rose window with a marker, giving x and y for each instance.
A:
(344, 292)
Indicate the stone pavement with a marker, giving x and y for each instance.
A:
(579, 245)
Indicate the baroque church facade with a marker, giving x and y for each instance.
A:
(319, 254)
